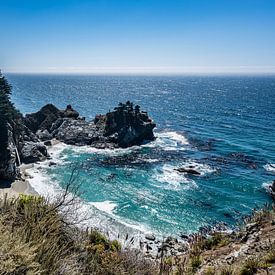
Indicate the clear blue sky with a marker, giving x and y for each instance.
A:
(137, 35)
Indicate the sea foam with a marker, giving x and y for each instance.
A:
(270, 167)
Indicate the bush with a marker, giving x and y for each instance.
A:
(250, 267)
(195, 262)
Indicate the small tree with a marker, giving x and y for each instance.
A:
(8, 114)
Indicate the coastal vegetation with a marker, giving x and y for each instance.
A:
(37, 237)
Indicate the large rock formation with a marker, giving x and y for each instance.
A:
(125, 126)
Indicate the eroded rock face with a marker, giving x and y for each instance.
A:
(75, 132)
(9, 164)
(33, 151)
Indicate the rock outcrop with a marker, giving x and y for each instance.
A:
(43, 119)
(124, 127)
(272, 189)
(188, 170)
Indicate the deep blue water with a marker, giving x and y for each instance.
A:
(224, 125)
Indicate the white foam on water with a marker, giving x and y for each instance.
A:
(267, 186)
(105, 206)
(270, 167)
(168, 141)
(171, 179)
(203, 169)
(179, 138)
(112, 152)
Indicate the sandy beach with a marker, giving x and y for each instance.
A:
(21, 186)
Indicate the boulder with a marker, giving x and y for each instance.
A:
(44, 135)
(43, 119)
(48, 143)
(69, 112)
(32, 152)
(150, 237)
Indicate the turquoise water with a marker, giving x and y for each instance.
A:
(223, 125)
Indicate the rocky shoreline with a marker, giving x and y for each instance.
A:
(27, 137)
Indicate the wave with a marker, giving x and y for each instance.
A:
(270, 167)
(98, 215)
(168, 141)
(105, 206)
(172, 179)
(203, 169)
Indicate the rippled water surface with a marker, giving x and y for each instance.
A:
(224, 126)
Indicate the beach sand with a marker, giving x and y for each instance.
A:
(21, 186)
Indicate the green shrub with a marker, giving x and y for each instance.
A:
(270, 257)
(250, 267)
(209, 271)
(227, 270)
(217, 239)
(195, 262)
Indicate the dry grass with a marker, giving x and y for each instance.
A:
(36, 239)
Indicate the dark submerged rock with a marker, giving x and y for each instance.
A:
(189, 170)
(150, 237)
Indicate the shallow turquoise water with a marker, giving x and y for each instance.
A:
(223, 125)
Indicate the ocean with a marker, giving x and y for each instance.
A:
(223, 125)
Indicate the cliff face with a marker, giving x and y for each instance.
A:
(10, 158)
(9, 133)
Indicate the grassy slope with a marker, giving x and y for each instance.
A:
(251, 250)
(36, 239)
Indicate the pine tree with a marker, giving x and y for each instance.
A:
(7, 112)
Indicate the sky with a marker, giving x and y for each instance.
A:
(137, 36)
